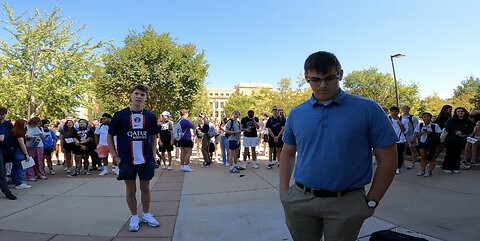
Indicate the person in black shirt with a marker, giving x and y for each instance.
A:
(250, 137)
(275, 126)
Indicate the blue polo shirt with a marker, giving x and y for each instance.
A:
(334, 142)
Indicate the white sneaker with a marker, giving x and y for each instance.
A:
(182, 168)
(23, 186)
(255, 165)
(103, 173)
(187, 169)
(169, 168)
(164, 167)
(134, 224)
(116, 171)
(397, 171)
(150, 220)
(52, 172)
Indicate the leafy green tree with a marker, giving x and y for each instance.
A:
(47, 60)
(381, 87)
(466, 93)
(175, 73)
(432, 104)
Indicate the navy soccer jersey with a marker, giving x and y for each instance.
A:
(134, 131)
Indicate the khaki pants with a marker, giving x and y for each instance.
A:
(337, 218)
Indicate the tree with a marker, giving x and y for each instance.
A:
(432, 104)
(175, 73)
(46, 60)
(466, 93)
(380, 87)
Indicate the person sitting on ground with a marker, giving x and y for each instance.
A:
(472, 146)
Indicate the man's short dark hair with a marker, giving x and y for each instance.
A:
(427, 113)
(322, 62)
(3, 110)
(140, 87)
(394, 108)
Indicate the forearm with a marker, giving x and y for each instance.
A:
(153, 144)
(287, 164)
(111, 146)
(387, 163)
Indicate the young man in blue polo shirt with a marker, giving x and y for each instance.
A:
(136, 129)
(334, 142)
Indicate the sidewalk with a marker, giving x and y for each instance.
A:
(212, 204)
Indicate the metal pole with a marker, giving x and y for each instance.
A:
(395, 80)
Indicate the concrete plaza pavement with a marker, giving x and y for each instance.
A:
(212, 204)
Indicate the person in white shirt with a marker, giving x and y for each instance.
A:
(429, 134)
(398, 124)
(101, 133)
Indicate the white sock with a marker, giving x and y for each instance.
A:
(135, 216)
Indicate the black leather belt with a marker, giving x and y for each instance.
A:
(324, 193)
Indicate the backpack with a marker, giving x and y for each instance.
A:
(229, 128)
(177, 131)
(211, 131)
(410, 119)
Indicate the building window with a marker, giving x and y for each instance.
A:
(221, 94)
(216, 94)
(216, 105)
(210, 103)
(216, 113)
(222, 104)
(210, 93)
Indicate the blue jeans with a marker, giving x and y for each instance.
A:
(225, 150)
(17, 170)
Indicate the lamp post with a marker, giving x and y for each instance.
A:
(30, 97)
(395, 77)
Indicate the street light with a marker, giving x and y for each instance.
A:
(394, 77)
(31, 98)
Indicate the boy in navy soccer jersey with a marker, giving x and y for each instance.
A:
(136, 129)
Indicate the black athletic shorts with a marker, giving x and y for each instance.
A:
(129, 171)
(185, 143)
(271, 143)
(165, 147)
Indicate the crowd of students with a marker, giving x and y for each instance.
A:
(458, 132)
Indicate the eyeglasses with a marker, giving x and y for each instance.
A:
(328, 80)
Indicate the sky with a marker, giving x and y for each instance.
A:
(263, 41)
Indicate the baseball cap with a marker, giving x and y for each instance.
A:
(166, 113)
(274, 107)
(107, 115)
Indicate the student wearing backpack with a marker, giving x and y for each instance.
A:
(208, 130)
(398, 124)
(136, 129)
(183, 137)
(233, 130)
(411, 142)
(3, 180)
(429, 134)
